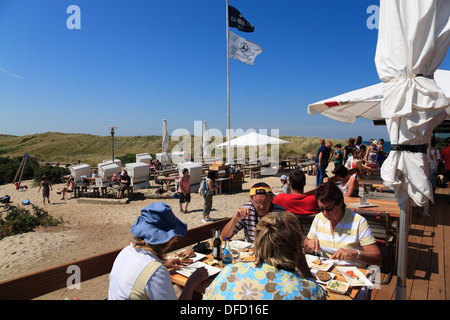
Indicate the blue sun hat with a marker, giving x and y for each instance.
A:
(157, 224)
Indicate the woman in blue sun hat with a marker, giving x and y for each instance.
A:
(140, 271)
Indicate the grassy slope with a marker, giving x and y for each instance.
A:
(91, 149)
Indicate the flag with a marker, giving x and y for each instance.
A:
(243, 50)
(236, 20)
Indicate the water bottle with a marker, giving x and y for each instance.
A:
(227, 257)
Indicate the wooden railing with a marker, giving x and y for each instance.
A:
(46, 281)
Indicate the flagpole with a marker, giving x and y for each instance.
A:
(228, 87)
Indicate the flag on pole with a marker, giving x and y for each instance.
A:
(243, 50)
(236, 20)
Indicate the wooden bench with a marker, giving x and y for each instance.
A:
(39, 283)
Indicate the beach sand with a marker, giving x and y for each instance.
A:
(91, 229)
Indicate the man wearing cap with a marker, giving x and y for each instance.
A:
(297, 202)
(247, 216)
(140, 270)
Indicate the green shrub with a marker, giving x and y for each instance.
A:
(10, 166)
(53, 174)
(20, 220)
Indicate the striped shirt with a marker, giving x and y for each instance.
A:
(249, 223)
(352, 232)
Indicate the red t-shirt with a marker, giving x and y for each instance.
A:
(445, 155)
(297, 203)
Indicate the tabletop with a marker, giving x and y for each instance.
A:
(388, 206)
(351, 294)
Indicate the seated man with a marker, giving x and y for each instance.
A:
(297, 202)
(339, 233)
(247, 216)
(125, 181)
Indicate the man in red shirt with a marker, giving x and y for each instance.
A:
(297, 202)
(445, 158)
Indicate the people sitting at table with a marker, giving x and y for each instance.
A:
(285, 186)
(248, 215)
(125, 181)
(157, 165)
(339, 233)
(297, 202)
(70, 186)
(273, 274)
(140, 271)
(349, 183)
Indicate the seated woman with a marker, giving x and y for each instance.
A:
(278, 248)
(349, 184)
(340, 233)
(140, 270)
(70, 186)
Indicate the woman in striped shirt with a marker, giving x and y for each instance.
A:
(340, 233)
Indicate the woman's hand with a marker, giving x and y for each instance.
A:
(172, 263)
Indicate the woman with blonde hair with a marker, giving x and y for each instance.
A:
(273, 275)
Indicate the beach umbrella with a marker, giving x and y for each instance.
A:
(413, 39)
(365, 102)
(205, 140)
(165, 143)
(252, 139)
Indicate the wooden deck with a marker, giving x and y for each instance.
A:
(428, 276)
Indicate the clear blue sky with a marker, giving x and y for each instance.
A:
(134, 63)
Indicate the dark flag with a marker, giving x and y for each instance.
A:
(236, 20)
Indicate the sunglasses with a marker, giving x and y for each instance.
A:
(327, 209)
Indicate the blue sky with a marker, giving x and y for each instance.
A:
(134, 63)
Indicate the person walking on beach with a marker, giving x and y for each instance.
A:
(46, 187)
(184, 190)
(208, 195)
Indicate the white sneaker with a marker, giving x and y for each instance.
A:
(204, 220)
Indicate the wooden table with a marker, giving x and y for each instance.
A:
(387, 206)
(199, 290)
(168, 181)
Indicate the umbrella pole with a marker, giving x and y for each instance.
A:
(402, 260)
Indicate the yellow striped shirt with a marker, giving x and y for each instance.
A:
(352, 232)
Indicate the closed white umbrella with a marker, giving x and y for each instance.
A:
(165, 143)
(205, 140)
(413, 39)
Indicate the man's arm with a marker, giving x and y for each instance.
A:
(228, 230)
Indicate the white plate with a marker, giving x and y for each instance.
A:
(239, 245)
(332, 275)
(198, 256)
(361, 282)
(325, 266)
(188, 270)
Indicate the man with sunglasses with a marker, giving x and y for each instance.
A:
(339, 233)
(247, 216)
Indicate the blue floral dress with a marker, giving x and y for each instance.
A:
(246, 281)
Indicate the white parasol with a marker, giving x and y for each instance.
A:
(252, 139)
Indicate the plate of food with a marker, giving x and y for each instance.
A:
(319, 263)
(189, 269)
(189, 256)
(246, 256)
(354, 277)
(323, 277)
(338, 286)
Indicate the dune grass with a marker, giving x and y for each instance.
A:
(92, 149)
